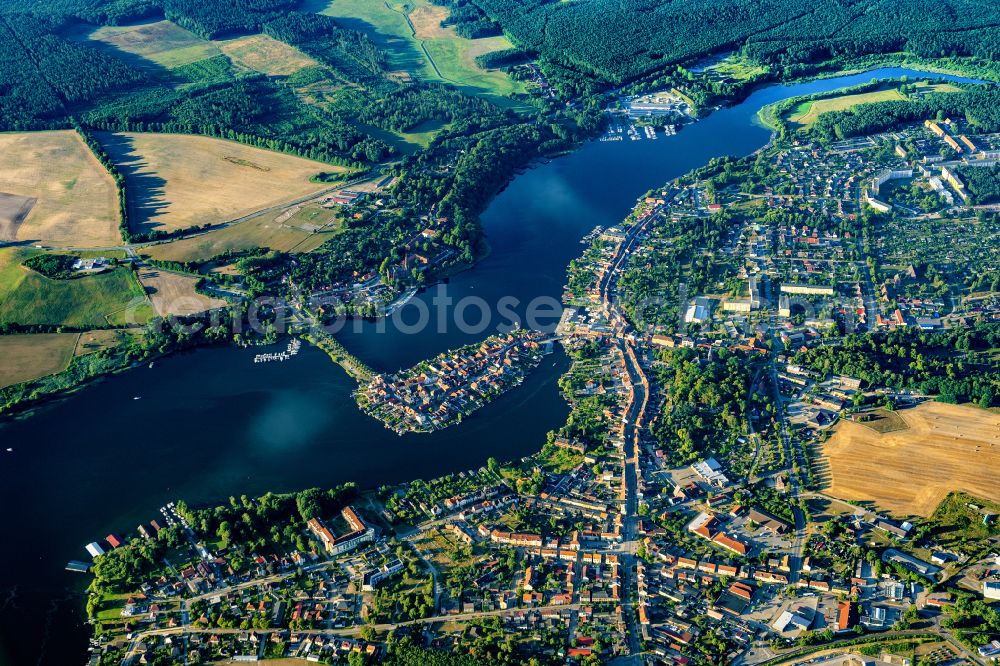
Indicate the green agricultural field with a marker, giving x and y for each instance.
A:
(411, 35)
(26, 297)
(806, 113)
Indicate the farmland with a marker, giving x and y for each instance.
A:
(75, 201)
(260, 53)
(806, 113)
(303, 231)
(945, 448)
(174, 294)
(31, 356)
(28, 357)
(113, 297)
(178, 181)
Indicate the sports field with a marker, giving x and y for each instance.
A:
(806, 113)
(307, 228)
(26, 297)
(176, 181)
(174, 294)
(260, 53)
(945, 448)
(57, 193)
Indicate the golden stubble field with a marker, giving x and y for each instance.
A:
(30, 356)
(174, 294)
(945, 448)
(76, 203)
(176, 181)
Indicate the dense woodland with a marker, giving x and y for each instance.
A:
(983, 183)
(621, 41)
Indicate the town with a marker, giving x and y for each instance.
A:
(436, 393)
(734, 349)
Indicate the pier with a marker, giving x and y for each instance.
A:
(291, 350)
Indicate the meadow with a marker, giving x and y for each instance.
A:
(162, 43)
(416, 44)
(114, 297)
(76, 203)
(944, 448)
(260, 53)
(805, 113)
(304, 231)
(177, 181)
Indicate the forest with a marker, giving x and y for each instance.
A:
(625, 40)
(983, 183)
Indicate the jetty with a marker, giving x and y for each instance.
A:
(291, 350)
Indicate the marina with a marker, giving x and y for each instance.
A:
(294, 345)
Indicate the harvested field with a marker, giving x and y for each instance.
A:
(13, 210)
(177, 181)
(260, 53)
(27, 357)
(302, 231)
(35, 355)
(946, 448)
(55, 191)
(174, 294)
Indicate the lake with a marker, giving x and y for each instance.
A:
(210, 423)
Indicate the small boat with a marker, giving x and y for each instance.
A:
(151, 365)
(137, 397)
(10, 450)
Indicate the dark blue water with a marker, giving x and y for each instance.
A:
(211, 424)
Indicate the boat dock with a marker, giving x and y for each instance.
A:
(290, 351)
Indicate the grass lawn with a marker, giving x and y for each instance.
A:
(26, 297)
(806, 113)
